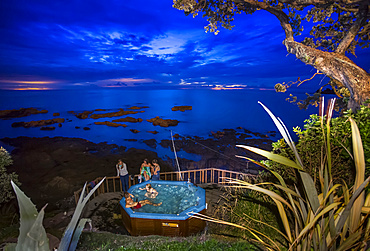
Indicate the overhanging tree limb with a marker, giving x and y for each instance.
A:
(343, 25)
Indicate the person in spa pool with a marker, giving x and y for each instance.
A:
(136, 205)
(150, 191)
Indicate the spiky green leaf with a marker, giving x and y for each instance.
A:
(272, 156)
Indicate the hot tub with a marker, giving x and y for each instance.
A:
(172, 222)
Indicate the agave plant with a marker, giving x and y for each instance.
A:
(332, 217)
(32, 234)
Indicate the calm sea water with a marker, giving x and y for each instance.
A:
(212, 111)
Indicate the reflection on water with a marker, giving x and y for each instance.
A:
(212, 111)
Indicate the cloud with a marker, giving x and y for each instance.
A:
(126, 44)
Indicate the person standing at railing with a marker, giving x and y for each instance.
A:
(156, 169)
(123, 174)
(145, 170)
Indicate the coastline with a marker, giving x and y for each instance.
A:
(52, 168)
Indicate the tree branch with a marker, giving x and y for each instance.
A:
(283, 18)
(353, 31)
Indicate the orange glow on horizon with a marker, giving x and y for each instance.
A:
(27, 82)
(31, 89)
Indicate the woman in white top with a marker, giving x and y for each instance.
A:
(123, 174)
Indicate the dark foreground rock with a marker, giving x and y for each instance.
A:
(51, 169)
(219, 150)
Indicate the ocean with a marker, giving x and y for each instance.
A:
(212, 111)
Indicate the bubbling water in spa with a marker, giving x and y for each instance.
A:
(174, 198)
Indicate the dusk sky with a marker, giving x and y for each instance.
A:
(147, 44)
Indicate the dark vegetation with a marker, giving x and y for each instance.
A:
(310, 144)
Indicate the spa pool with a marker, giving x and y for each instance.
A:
(174, 217)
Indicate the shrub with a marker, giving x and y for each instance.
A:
(6, 191)
(310, 146)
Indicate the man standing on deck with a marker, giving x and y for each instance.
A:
(123, 174)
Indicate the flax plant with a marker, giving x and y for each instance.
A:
(32, 234)
(332, 217)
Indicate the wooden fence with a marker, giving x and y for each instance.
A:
(200, 176)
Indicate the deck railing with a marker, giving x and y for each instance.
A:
(199, 176)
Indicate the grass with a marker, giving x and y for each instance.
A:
(109, 241)
(239, 206)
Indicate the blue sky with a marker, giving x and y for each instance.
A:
(146, 44)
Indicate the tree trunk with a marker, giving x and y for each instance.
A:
(336, 66)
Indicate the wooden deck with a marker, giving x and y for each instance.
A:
(200, 176)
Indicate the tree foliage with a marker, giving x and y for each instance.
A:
(332, 29)
(6, 191)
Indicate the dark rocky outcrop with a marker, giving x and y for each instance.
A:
(47, 128)
(38, 123)
(61, 184)
(163, 122)
(22, 112)
(134, 130)
(108, 123)
(182, 108)
(137, 107)
(153, 132)
(81, 115)
(151, 143)
(129, 119)
(120, 113)
(218, 151)
(56, 114)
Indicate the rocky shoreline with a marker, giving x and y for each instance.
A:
(51, 169)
